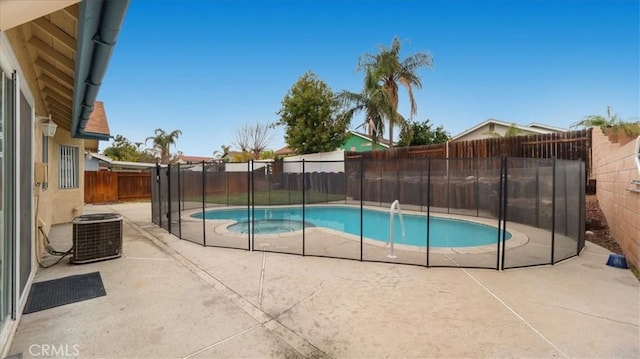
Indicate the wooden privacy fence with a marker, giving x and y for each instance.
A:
(108, 186)
(572, 145)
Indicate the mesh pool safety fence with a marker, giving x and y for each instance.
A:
(495, 213)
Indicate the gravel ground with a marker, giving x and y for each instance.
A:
(597, 223)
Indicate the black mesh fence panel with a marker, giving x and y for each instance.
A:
(529, 208)
(164, 198)
(192, 222)
(568, 211)
(460, 191)
(448, 212)
(332, 227)
(226, 192)
(277, 209)
(155, 196)
(174, 199)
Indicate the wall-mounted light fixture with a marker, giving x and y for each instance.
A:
(48, 127)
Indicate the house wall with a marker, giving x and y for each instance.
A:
(48, 206)
(614, 169)
(359, 144)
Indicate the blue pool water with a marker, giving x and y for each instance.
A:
(444, 232)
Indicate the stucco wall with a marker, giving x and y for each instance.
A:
(614, 169)
(59, 205)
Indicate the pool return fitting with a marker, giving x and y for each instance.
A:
(396, 205)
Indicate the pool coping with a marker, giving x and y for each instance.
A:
(518, 238)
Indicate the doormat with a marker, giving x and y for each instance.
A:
(61, 291)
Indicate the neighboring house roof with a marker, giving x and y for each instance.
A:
(382, 142)
(284, 151)
(547, 127)
(98, 120)
(193, 159)
(120, 164)
(535, 129)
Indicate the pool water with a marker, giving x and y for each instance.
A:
(269, 226)
(444, 232)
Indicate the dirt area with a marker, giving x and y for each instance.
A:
(597, 223)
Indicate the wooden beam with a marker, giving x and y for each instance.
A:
(54, 107)
(51, 52)
(46, 79)
(71, 11)
(58, 96)
(57, 33)
(68, 95)
(59, 75)
(52, 99)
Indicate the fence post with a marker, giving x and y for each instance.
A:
(504, 211)
(428, 208)
(204, 195)
(251, 205)
(500, 217)
(304, 229)
(180, 197)
(169, 197)
(159, 194)
(553, 210)
(361, 206)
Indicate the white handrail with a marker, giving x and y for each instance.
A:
(395, 204)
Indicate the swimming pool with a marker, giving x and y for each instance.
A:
(444, 232)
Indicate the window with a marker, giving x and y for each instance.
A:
(45, 156)
(492, 127)
(68, 167)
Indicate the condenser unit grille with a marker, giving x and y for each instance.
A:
(97, 237)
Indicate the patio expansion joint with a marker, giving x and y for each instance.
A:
(280, 330)
(495, 296)
(585, 314)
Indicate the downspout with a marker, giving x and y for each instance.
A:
(99, 23)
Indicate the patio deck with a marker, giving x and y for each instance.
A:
(169, 298)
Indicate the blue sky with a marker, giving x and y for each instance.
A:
(209, 67)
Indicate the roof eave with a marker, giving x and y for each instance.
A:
(99, 23)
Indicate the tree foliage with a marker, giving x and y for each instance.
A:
(421, 133)
(162, 142)
(313, 117)
(611, 121)
(374, 102)
(122, 149)
(387, 70)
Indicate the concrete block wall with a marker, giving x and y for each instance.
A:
(614, 169)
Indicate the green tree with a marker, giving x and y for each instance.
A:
(123, 150)
(388, 70)
(162, 142)
(312, 116)
(421, 133)
(611, 121)
(374, 102)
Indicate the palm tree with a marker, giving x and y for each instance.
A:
(388, 71)
(162, 141)
(374, 102)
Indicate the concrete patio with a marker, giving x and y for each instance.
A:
(168, 298)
